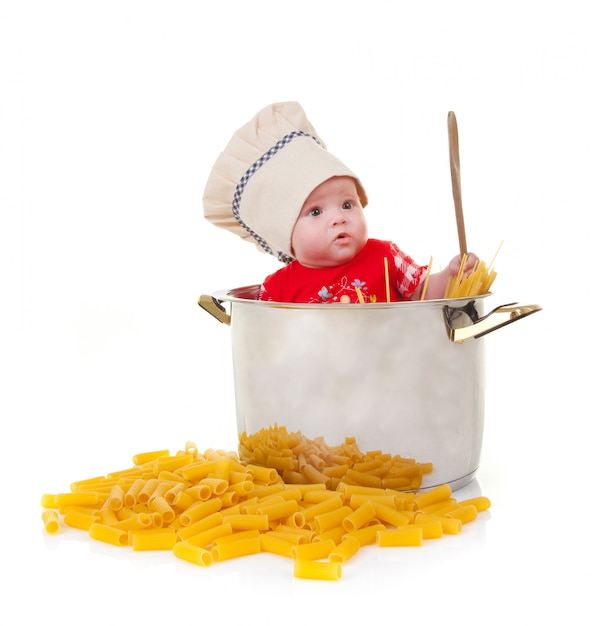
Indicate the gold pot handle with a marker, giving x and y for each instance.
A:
(213, 306)
(500, 316)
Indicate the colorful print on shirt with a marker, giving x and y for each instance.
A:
(362, 279)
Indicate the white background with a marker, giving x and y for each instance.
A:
(111, 115)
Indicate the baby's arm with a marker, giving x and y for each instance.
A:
(437, 281)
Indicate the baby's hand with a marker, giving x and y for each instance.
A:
(454, 265)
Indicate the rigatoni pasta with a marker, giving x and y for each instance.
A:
(296, 458)
(51, 521)
(213, 506)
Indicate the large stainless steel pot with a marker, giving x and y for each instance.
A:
(406, 378)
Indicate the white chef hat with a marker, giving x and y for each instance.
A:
(259, 183)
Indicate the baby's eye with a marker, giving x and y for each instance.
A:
(315, 212)
(347, 205)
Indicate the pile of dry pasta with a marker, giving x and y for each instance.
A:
(299, 459)
(211, 506)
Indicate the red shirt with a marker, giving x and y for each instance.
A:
(363, 277)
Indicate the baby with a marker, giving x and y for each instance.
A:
(277, 185)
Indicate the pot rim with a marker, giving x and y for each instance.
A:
(249, 295)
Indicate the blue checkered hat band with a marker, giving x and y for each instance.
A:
(284, 141)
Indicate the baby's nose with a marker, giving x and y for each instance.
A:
(339, 218)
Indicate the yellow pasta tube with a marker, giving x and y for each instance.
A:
(180, 500)
(367, 535)
(83, 485)
(161, 489)
(222, 469)
(345, 549)
(172, 478)
(172, 463)
(334, 534)
(144, 494)
(438, 507)
(306, 489)
(430, 529)
(278, 510)
(481, 503)
(280, 462)
(450, 525)
(357, 499)
(130, 472)
(318, 495)
(153, 539)
(394, 537)
(239, 475)
(291, 493)
(138, 521)
(131, 495)
(146, 457)
(82, 498)
(242, 487)
(275, 498)
(328, 520)
(465, 513)
(317, 570)
(156, 519)
(446, 507)
(89, 510)
(210, 521)
(234, 549)
(247, 522)
(314, 475)
(262, 491)
(296, 520)
(115, 499)
(103, 485)
(160, 505)
(308, 534)
(436, 494)
(262, 474)
(193, 554)
(390, 516)
(108, 534)
(235, 509)
(349, 490)
(336, 471)
(367, 466)
(217, 485)
(229, 498)
(194, 472)
(362, 479)
(360, 516)
(205, 537)
(313, 551)
(276, 544)
(237, 536)
(80, 520)
(107, 516)
(291, 537)
(199, 492)
(396, 482)
(51, 521)
(322, 507)
(199, 510)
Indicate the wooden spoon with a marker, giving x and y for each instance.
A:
(455, 174)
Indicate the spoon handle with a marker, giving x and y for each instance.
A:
(455, 174)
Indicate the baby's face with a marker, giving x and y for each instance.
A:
(331, 228)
